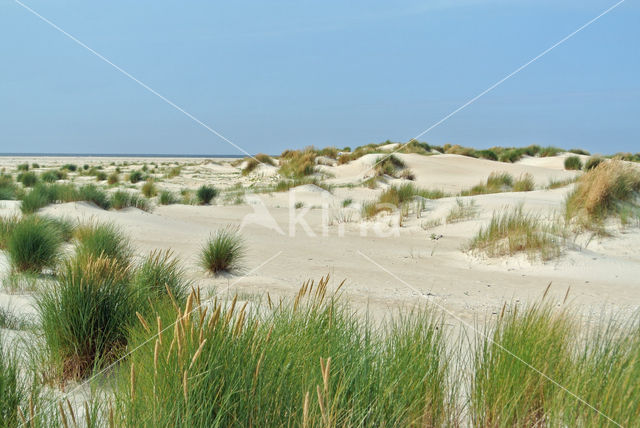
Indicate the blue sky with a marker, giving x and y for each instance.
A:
(275, 75)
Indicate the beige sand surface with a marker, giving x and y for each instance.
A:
(282, 253)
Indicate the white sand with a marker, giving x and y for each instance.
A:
(602, 275)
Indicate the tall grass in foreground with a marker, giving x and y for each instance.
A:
(514, 231)
(223, 251)
(561, 375)
(310, 362)
(508, 391)
(13, 393)
(33, 245)
(84, 317)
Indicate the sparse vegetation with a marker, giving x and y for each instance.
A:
(396, 197)
(462, 211)
(223, 251)
(524, 183)
(512, 232)
(252, 163)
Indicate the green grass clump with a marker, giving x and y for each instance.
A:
(252, 163)
(605, 373)
(28, 179)
(309, 362)
(593, 162)
(7, 224)
(103, 240)
(524, 183)
(52, 176)
(95, 195)
(65, 226)
(121, 199)
(101, 176)
(167, 198)
(580, 152)
(486, 154)
(573, 163)
(297, 163)
(496, 182)
(395, 197)
(113, 178)
(70, 167)
(223, 251)
(85, 316)
(205, 194)
(149, 189)
(512, 232)
(8, 188)
(35, 199)
(22, 167)
(136, 176)
(462, 211)
(13, 391)
(389, 165)
(158, 272)
(174, 172)
(505, 392)
(33, 245)
(549, 151)
(609, 190)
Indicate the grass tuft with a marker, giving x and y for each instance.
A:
(33, 245)
(512, 232)
(573, 163)
(103, 241)
(205, 194)
(85, 316)
(157, 272)
(609, 190)
(223, 251)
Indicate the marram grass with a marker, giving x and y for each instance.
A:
(308, 362)
(223, 251)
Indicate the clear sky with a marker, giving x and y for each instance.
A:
(270, 75)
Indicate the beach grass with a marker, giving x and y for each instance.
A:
(513, 231)
(306, 362)
(33, 244)
(610, 189)
(205, 194)
(84, 317)
(223, 251)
